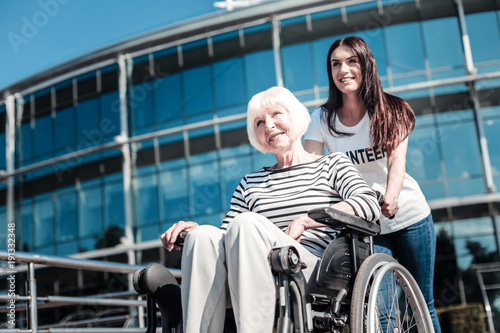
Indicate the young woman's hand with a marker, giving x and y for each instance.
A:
(390, 206)
(169, 237)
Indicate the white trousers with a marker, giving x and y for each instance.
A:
(215, 262)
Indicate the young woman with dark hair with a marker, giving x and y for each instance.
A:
(371, 127)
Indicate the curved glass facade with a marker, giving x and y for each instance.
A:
(158, 133)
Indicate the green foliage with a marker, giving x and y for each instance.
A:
(462, 318)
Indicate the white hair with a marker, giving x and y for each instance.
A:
(276, 96)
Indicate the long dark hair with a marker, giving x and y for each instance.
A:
(391, 118)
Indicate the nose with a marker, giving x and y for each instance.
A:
(269, 123)
(343, 67)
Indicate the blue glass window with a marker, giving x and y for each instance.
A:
(297, 67)
(443, 42)
(44, 221)
(43, 136)
(229, 82)
(174, 194)
(26, 143)
(444, 48)
(491, 123)
(147, 198)
(229, 111)
(214, 219)
(114, 208)
(87, 244)
(142, 106)
(66, 218)
(90, 211)
(260, 72)
(394, 2)
(433, 190)
(3, 227)
(375, 40)
(466, 187)
(484, 37)
(110, 116)
(233, 169)
(66, 249)
(26, 226)
(197, 85)
(459, 144)
(422, 157)
(293, 20)
(359, 7)
(89, 133)
(320, 51)
(168, 98)
(65, 131)
(3, 161)
(404, 47)
(205, 190)
(262, 160)
(460, 151)
(147, 233)
(479, 230)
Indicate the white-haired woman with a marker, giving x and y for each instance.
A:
(268, 209)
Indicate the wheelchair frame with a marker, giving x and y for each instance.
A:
(350, 286)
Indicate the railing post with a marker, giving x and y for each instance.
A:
(277, 52)
(471, 70)
(33, 311)
(487, 306)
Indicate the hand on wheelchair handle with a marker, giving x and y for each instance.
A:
(381, 201)
(180, 238)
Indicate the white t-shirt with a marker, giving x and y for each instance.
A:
(372, 164)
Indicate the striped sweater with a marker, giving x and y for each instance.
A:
(282, 195)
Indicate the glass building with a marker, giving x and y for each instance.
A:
(114, 147)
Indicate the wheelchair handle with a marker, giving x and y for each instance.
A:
(381, 201)
(180, 238)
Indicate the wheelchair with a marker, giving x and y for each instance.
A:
(351, 289)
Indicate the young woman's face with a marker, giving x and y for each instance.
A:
(346, 69)
(274, 129)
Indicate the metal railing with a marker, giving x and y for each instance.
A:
(481, 269)
(31, 302)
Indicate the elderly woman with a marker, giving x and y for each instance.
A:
(268, 209)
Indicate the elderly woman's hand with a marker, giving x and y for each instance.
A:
(169, 237)
(299, 225)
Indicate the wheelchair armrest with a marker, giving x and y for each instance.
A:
(343, 221)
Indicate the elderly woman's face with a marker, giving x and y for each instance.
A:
(274, 129)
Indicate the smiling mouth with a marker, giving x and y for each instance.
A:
(272, 138)
(346, 79)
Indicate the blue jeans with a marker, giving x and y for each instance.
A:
(415, 249)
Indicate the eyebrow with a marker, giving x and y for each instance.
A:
(354, 56)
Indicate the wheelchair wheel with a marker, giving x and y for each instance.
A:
(386, 298)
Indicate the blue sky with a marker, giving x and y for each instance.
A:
(39, 34)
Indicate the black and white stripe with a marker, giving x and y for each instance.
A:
(282, 195)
